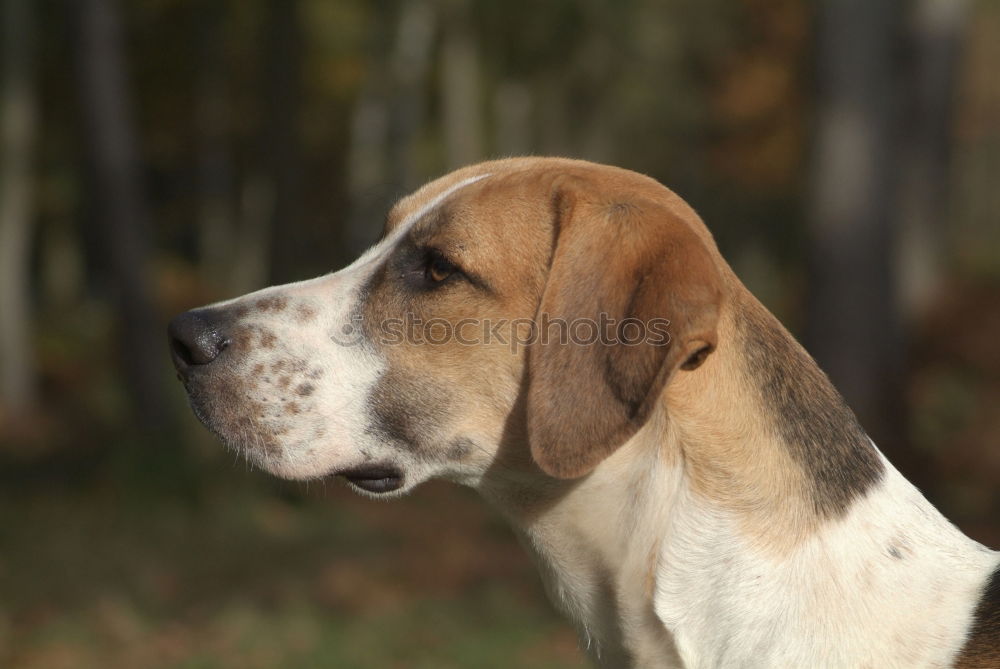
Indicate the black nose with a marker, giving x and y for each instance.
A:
(196, 339)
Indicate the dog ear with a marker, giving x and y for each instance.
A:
(627, 270)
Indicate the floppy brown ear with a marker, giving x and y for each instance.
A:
(626, 266)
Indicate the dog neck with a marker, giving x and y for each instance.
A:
(596, 541)
(706, 540)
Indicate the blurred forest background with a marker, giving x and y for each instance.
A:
(159, 154)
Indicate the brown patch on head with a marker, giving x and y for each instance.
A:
(434, 390)
(639, 262)
(620, 244)
(613, 241)
(305, 389)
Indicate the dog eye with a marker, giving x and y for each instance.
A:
(438, 268)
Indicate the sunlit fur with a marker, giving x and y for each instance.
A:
(705, 540)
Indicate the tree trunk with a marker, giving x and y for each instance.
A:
(384, 160)
(410, 67)
(18, 385)
(217, 232)
(122, 217)
(853, 324)
(460, 90)
(281, 154)
(367, 165)
(935, 38)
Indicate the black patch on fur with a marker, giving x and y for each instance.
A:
(407, 412)
(821, 433)
(406, 409)
(982, 647)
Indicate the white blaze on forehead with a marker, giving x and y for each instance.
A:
(408, 222)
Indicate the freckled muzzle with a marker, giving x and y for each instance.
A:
(256, 379)
(211, 350)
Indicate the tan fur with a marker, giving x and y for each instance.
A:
(710, 498)
(644, 263)
(504, 242)
(714, 418)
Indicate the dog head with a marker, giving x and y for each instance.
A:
(550, 297)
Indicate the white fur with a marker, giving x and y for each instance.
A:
(838, 600)
(652, 573)
(336, 407)
(841, 599)
(376, 252)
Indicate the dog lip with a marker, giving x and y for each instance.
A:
(374, 478)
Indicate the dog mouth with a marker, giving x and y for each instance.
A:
(377, 479)
(232, 428)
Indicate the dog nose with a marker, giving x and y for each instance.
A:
(196, 339)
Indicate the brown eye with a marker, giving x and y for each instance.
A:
(438, 268)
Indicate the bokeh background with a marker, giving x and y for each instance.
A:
(159, 154)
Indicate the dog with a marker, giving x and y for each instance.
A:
(566, 338)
